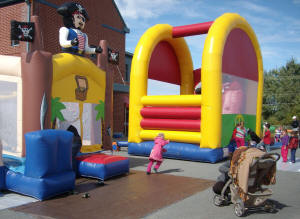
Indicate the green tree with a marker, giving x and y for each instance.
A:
(100, 115)
(281, 98)
(100, 109)
(56, 107)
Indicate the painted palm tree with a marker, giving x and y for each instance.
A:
(56, 107)
(100, 115)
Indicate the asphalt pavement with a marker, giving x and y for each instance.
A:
(286, 192)
(285, 196)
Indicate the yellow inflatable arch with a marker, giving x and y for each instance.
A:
(231, 74)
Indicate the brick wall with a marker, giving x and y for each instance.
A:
(119, 109)
(100, 12)
(14, 12)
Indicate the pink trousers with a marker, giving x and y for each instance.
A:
(158, 163)
(284, 153)
(239, 142)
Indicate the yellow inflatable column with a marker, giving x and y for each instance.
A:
(211, 120)
(139, 76)
(139, 72)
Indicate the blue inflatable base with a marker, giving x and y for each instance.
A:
(183, 151)
(40, 188)
(47, 169)
(122, 143)
(12, 178)
(16, 164)
(2, 177)
(103, 171)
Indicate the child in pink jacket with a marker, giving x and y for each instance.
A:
(156, 152)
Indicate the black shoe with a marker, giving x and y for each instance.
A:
(148, 173)
(155, 170)
(86, 195)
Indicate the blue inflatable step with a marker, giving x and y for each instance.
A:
(102, 166)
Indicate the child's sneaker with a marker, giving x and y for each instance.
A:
(148, 173)
(155, 170)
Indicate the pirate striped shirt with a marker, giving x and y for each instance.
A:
(81, 41)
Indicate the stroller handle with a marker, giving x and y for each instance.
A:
(276, 158)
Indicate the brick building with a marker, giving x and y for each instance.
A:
(106, 23)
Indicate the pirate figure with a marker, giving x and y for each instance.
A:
(71, 38)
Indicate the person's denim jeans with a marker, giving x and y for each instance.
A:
(266, 146)
(293, 155)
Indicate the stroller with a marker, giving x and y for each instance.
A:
(250, 169)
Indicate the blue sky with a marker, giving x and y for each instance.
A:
(275, 22)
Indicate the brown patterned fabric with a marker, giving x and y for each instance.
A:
(240, 168)
(236, 155)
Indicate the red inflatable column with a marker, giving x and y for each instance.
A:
(191, 29)
(102, 62)
(36, 71)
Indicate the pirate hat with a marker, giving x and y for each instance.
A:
(69, 8)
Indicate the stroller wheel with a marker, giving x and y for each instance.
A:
(239, 208)
(218, 200)
(269, 207)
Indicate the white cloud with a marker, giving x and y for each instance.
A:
(145, 9)
(263, 21)
(196, 42)
(279, 38)
(276, 56)
(190, 9)
(291, 23)
(162, 88)
(133, 9)
(277, 28)
(251, 6)
(196, 45)
(296, 2)
(269, 52)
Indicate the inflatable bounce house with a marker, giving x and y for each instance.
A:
(199, 126)
(51, 106)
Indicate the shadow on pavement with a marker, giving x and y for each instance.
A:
(138, 162)
(170, 171)
(277, 206)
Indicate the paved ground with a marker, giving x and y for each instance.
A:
(128, 196)
(200, 205)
